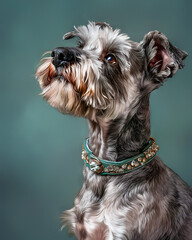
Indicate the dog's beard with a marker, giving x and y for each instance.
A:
(77, 89)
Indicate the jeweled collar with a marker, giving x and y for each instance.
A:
(104, 167)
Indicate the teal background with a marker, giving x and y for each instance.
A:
(40, 164)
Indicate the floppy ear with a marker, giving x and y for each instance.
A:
(162, 59)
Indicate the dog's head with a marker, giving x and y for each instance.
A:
(106, 74)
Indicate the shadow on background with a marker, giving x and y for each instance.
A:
(41, 169)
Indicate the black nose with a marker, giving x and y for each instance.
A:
(62, 56)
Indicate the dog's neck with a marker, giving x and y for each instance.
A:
(123, 137)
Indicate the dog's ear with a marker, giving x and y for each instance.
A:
(162, 59)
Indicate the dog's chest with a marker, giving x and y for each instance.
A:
(116, 215)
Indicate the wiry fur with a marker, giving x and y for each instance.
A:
(152, 202)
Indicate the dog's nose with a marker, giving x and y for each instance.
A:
(62, 56)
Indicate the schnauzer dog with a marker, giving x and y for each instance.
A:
(128, 192)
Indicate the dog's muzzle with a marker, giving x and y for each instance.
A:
(64, 56)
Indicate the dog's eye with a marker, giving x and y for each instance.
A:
(110, 58)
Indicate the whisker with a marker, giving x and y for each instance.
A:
(45, 53)
(45, 90)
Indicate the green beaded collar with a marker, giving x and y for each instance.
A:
(104, 167)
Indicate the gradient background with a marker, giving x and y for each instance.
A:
(40, 163)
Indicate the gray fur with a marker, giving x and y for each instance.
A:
(150, 203)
